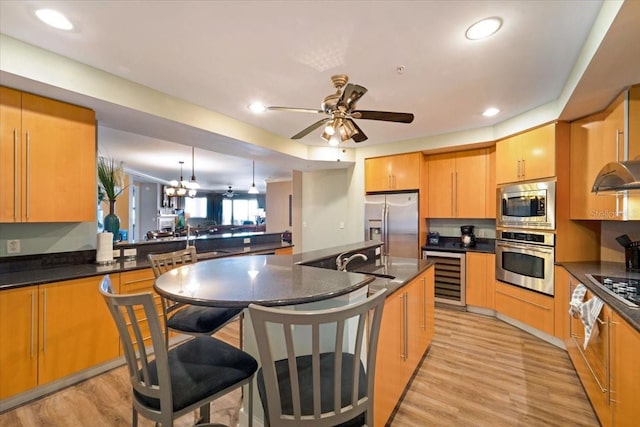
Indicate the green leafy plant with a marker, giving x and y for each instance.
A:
(110, 177)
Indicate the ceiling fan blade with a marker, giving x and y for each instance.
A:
(311, 128)
(360, 136)
(351, 94)
(296, 110)
(386, 116)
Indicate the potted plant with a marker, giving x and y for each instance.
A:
(110, 175)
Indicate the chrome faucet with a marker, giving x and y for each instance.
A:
(342, 263)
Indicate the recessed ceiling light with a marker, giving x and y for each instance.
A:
(54, 18)
(257, 107)
(490, 112)
(483, 29)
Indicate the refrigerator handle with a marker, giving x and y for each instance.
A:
(385, 228)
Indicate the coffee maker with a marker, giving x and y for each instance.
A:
(467, 238)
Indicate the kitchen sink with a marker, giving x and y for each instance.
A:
(381, 275)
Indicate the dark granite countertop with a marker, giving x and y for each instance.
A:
(56, 273)
(614, 269)
(452, 244)
(271, 280)
(403, 270)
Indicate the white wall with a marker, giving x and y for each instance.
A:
(325, 209)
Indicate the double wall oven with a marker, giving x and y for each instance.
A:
(525, 240)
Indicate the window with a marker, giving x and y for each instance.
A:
(237, 211)
(196, 207)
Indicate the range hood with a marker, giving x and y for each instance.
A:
(618, 176)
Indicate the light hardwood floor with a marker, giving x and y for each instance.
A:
(478, 372)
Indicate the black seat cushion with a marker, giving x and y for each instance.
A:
(305, 377)
(193, 318)
(200, 368)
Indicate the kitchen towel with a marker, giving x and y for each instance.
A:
(576, 300)
(104, 253)
(590, 311)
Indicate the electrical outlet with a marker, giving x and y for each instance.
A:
(116, 253)
(341, 225)
(130, 253)
(13, 246)
(247, 240)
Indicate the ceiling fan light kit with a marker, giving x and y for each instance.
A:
(340, 106)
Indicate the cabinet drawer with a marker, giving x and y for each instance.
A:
(528, 307)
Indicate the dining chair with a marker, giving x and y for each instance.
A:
(169, 383)
(318, 367)
(185, 318)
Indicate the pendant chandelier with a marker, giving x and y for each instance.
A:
(184, 188)
(253, 189)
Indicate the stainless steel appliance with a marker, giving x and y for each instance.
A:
(527, 205)
(525, 259)
(623, 288)
(450, 277)
(393, 219)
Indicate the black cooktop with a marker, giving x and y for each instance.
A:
(623, 288)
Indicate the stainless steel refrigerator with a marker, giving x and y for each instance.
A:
(393, 219)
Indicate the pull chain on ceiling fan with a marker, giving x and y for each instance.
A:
(340, 107)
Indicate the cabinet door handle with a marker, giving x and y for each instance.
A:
(33, 321)
(403, 315)
(406, 326)
(44, 321)
(455, 197)
(524, 168)
(28, 172)
(16, 178)
(518, 169)
(452, 184)
(618, 133)
(424, 303)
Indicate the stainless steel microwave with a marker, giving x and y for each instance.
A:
(527, 205)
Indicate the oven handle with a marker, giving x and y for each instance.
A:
(537, 248)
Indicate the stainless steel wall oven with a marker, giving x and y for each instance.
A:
(526, 259)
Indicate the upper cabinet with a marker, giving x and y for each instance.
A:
(393, 173)
(526, 156)
(610, 136)
(459, 185)
(47, 160)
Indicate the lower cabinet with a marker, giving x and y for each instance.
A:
(405, 334)
(50, 331)
(18, 340)
(531, 308)
(480, 279)
(625, 373)
(139, 281)
(608, 366)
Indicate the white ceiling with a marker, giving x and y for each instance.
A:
(223, 55)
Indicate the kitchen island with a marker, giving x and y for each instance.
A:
(41, 299)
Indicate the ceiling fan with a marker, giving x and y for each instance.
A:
(229, 193)
(340, 108)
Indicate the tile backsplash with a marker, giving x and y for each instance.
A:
(610, 250)
(485, 228)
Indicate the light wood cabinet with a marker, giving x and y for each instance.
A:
(595, 141)
(47, 152)
(76, 330)
(526, 156)
(138, 281)
(18, 340)
(531, 308)
(405, 333)
(458, 184)
(625, 372)
(480, 279)
(392, 173)
(50, 331)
